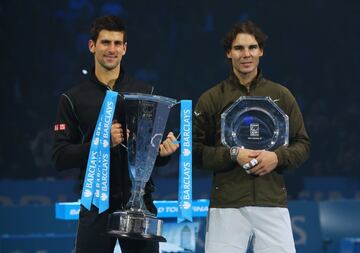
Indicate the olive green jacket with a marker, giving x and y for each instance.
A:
(232, 186)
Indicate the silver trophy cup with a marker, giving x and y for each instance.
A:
(254, 123)
(146, 117)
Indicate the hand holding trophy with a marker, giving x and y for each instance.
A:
(146, 117)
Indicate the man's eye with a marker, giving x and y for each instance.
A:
(238, 48)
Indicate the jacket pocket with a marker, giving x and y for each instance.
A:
(271, 189)
(231, 188)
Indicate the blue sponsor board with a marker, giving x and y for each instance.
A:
(166, 209)
(350, 245)
(36, 192)
(27, 208)
(33, 243)
(304, 217)
(330, 188)
(306, 226)
(339, 219)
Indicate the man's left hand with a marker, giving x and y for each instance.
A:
(169, 146)
(267, 162)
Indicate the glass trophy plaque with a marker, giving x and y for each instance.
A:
(146, 117)
(256, 123)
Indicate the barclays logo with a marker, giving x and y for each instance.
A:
(87, 193)
(96, 141)
(186, 152)
(104, 196)
(97, 193)
(186, 205)
(105, 143)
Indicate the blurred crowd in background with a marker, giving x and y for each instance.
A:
(176, 46)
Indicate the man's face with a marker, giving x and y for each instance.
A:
(108, 49)
(245, 54)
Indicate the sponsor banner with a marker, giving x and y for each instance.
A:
(166, 209)
(96, 184)
(185, 162)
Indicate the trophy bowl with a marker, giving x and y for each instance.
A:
(146, 117)
(255, 123)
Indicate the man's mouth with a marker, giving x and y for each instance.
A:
(111, 57)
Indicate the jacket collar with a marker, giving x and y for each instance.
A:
(120, 78)
(233, 78)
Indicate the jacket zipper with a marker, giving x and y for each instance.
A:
(248, 93)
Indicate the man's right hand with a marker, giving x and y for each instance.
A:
(246, 155)
(117, 134)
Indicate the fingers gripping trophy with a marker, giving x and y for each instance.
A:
(146, 117)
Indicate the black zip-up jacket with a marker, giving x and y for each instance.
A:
(76, 119)
(232, 186)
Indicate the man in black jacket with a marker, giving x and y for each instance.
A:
(76, 119)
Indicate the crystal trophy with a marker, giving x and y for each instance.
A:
(146, 117)
(254, 123)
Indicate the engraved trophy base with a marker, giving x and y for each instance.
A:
(135, 225)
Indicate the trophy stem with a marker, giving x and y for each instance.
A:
(136, 201)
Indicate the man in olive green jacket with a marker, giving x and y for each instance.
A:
(251, 204)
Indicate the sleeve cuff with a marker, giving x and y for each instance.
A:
(280, 156)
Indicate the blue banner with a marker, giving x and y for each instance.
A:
(166, 209)
(185, 162)
(96, 184)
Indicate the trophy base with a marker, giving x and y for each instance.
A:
(135, 225)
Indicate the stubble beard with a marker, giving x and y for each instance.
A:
(109, 67)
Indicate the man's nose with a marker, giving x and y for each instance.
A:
(112, 47)
(247, 52)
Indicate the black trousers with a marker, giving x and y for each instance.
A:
(92, 238)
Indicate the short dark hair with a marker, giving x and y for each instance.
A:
(247, 27)
(110, 23)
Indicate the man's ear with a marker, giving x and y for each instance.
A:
(91, 45)
(261, 52)
(125, 48)
(228, 54)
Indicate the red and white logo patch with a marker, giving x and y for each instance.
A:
(60, 127)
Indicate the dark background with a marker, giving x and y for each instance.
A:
(176, 46)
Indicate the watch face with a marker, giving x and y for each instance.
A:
(234, 151)
(254, 123)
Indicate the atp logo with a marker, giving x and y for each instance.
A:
(254, 129)
(186, 152)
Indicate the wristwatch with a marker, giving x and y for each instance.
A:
(234, 151)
